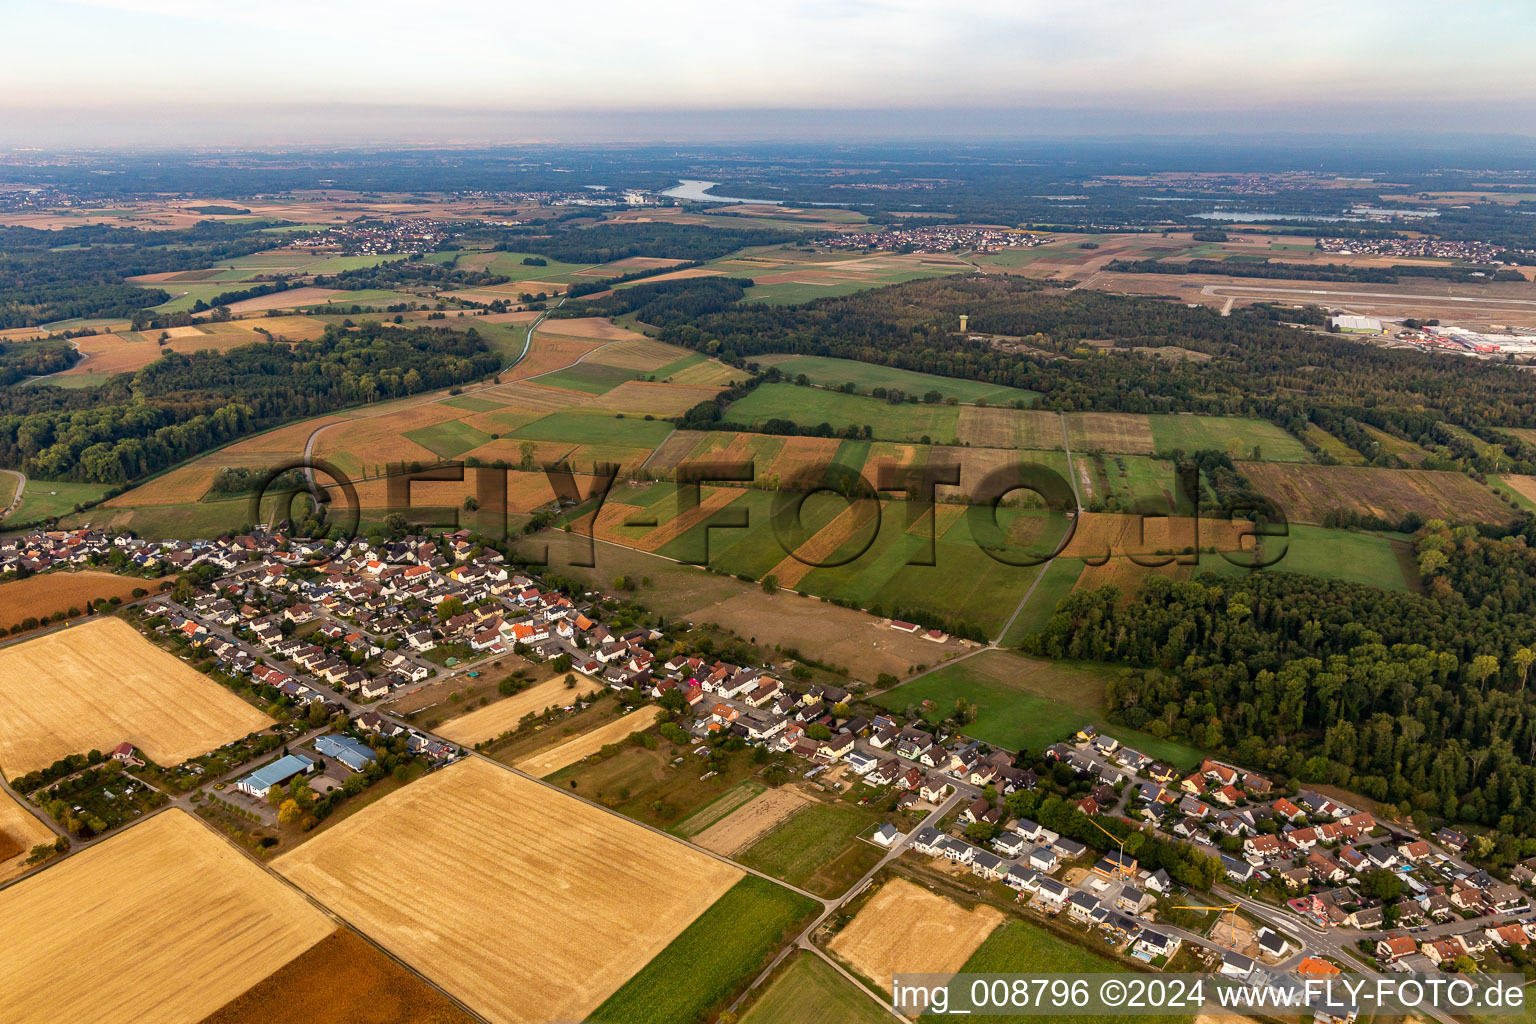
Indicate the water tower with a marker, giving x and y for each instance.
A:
(964, 319)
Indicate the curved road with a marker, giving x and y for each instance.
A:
(21, 485)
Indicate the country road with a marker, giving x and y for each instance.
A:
(21, 485)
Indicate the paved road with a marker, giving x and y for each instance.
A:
(21, 485)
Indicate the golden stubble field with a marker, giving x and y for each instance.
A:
(905, 928)
(93, 686)
(495, 719)
(547, 762)
(525, 903)
(164, 922)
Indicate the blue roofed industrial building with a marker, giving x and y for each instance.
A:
(260, 782)
(347, 750)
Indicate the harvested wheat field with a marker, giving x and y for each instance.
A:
(342, 979)
(19, 832)
(642, 354)
(494, 719)
(547, 762)
(178, 487)
(581, 899)
(753, 820)
(905, 928)
(164, 922)
(93, 686)
(286, 441)
(638, 398)
(41, 596)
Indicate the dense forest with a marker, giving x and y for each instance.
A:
(182, 404)
(1257, 366)
(1417, 699)
(20, 360)
(80, 272)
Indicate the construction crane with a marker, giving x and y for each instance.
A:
(1230, 908)
(1117, 839)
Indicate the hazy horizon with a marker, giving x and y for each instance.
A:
(191, 72)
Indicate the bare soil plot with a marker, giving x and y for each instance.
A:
(1307, 493)
(640, 398)
(753, 820)
(40, 596)
(905, 928)
(582, 898)
(1110, 432)
(503, 715)
(93, 686)
(163, 922)
(178, 487)
(342, 979)
(1525, 485)
(547, 762)
(19, 832)
(291, 298)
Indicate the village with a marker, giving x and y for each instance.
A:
(1306, 884)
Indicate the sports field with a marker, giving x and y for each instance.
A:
(162, 922)
(417, 871)
(91, 687)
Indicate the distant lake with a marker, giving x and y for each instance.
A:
(698, 192)
(1250, 215)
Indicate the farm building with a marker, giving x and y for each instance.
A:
(260, 782)
(347, 750)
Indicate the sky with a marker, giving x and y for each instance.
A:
(113, 71)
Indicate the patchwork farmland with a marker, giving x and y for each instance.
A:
(476, 835)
